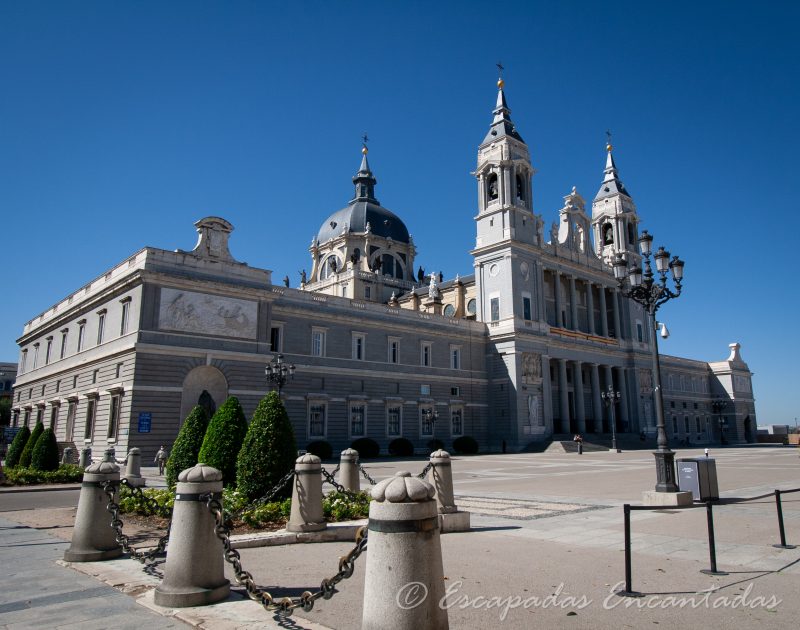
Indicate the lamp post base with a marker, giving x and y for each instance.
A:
(665, 471)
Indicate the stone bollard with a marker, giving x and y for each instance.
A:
(66, 456)
(348, 470)
(404, 579)
(93, 537)
(194, 574)
(133, 468)
(306, 515)
(450, 518)
(85, 458)
(110, 455)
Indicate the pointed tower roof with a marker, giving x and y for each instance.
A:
(364, 180)
(501, 124)
(612, 185)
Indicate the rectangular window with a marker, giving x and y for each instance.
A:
(63, 352)
(126, 310)
(494, 305)
(27, 420)
(394, 351)
(95, 374)
(455, 357)
(40, 415)
(675, 425)
(317, 342)
(393, 420)
(101, 325)
(58, 386)
(425, 354)
(455, 391)
(367, 292)
(71, 409)
(425, 390)
(113, 417)
(35, 355)
(53, 417)
(358, 424)
(316, 420)
(119, 370)
(358, 346)
(90, 411)
(48, 351)
(456, 421)
(276, 338)
(526, 308)
(23, 361)
(697, 423)
(81, 334)
(686, 424)
(639, 332)
(74, 381)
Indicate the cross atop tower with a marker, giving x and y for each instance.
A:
(608, 140)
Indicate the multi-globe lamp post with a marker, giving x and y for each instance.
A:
(431, 416)
(717, 407)
(611, 398)
(278, 372)
(651, 291)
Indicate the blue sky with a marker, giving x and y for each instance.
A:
(122, 123)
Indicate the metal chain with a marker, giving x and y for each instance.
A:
(155, 508)
(425, 471)
(366, 475)
(122, 539)
(329, 478)
(287, 604)
(267, 497)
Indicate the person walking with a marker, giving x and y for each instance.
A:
(579, 440)
(161, 459)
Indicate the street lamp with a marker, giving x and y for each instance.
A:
(431, 415)
(717, 407)
(651, 292)
(277, 372)
(611, 398)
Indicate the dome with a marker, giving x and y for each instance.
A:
(357, 215)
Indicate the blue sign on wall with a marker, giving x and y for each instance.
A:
(145, 420)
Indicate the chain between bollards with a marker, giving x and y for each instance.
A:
(267, 497)
(425, 471)
(366, 475)
(287, 604)
(116, 524)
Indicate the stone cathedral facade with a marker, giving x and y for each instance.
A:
(513, 353)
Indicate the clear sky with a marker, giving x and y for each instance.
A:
(122, 123)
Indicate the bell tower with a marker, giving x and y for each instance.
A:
(614, 218)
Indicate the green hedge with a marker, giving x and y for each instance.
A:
(367, 448)
(465, 444)
(27, 452)
(223, 440)
(45, 452)
(17, 446)
(321, 449)
(66, 473)
(401, 447)
(268, 452)
(187, 445)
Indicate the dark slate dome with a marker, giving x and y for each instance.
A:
(364, 208)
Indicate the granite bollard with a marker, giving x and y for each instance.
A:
(67, 456)
(306, 514)
(450, 518)
(194, 574)
(133, 468)
(348, 470)
(93, 537)
(85, 457)
(404, 579)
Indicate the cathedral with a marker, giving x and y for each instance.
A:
(517, 352)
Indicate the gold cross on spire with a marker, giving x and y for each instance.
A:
(365, 139)
(500, 68)
(608, 140)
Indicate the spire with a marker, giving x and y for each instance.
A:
(364, 180)
(501, 124)
(612, 185)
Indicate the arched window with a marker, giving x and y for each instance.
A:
(520, 188)
(330, 266)
(608, 234)
(492, 191)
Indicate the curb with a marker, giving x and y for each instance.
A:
(335, 532)
(40, 488)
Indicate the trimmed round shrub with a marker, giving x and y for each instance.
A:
(465, 445)
(45, 452)
(223, 440)
(17, 446)
(187, 445)
(27, 452)
(401, 447)
(321, 449)
(268, 452)
(435, 445)
(367, 448)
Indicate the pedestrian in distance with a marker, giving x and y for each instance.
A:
(578, 439)
(161, 459)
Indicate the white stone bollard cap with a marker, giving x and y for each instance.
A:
(440, 454)
(402, 488)
(102, 468)
(350, 452)
(308, 458)
(200, 474)
(134, 451)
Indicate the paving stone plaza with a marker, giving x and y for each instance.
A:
(546, 541)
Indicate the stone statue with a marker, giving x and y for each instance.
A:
(554, 233)
(420, 275)
(433, 290)
(286, 281)
(333, 263)
(533, 410)
(303, 276)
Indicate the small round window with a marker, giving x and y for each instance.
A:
(472, 306)
(449, 310)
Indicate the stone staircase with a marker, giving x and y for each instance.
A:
(565, 444)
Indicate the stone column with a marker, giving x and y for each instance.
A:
(306, 514)
(603, 312)
(609, 380)
(93, 538)
(615, 308)
(563, 395)
(589, 308)
(577, 386)
(597, 401)
(404, 578)
(194, 574)
(573, 303)
(348, 470)
(623, 393)
(557, 287)
(547, 394)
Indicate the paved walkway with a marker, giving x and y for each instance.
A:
(547, 543)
